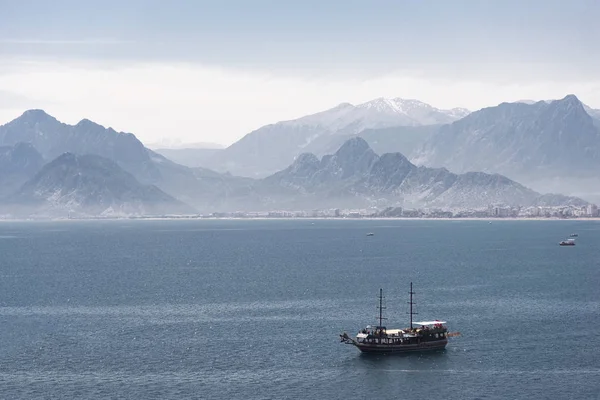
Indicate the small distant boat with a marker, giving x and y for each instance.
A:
(568, 242)
(574, 234)
(370, 234)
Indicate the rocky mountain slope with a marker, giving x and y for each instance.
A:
(18, 163)
(90, 185)
(355, 174)
(532, 143)
(52, 138)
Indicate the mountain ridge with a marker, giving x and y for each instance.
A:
(45, 132)
(90, 185)
(287, 139)
(526, 142)
(51, 138)
(356, 172)
(347, 170)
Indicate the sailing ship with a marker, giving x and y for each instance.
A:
(418, 337)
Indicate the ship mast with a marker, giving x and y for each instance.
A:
(381, 307)
(411, 305)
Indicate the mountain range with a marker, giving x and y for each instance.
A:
(356, 174)
(550, 145)
(349, 156)
(37, 130)
(273, 147)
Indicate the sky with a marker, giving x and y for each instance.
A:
(213, 71)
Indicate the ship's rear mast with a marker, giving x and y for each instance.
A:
(381, 308)
(411, 303)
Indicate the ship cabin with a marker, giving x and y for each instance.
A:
(425, 331)
(431, 330)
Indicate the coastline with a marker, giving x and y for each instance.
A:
(195, 218)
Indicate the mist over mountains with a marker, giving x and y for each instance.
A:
(383, 153)
(550, 146)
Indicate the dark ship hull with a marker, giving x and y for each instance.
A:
(402, 348)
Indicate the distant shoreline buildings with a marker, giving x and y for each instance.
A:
(491, 212)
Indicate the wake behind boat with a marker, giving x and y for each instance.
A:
(418, 337)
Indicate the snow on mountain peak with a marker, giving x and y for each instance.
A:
(348, 119)
(396, 105)
(421, 113)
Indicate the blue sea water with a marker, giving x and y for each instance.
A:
(228, 309)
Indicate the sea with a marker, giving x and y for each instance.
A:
(253, 309)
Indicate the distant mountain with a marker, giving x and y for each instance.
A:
(345, 171)
(52, 138)
(90, 185)
(403, 139)
(273, 147)
(594, 113)
(18, 163)
(190, 157)
(356, 176)
(400, 139)
(177, 144)
(533, 143)
(206, 190)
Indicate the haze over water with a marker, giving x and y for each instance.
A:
(253, 309)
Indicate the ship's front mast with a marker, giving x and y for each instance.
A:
(380, 307)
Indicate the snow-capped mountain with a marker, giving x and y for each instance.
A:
(275, 146)
(378, 113)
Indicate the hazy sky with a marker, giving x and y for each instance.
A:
(215, 70)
